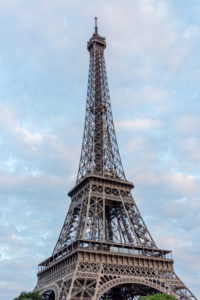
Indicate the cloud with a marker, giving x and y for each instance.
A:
(189, 125)
(190, 147)
(184, 184)
(28, 150)
(137, 124)
(8, 121)
(174, 184)
(149, 28)
(135, 99)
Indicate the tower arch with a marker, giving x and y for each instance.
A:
(50, 292)
(136, 284)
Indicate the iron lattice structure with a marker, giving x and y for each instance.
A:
(100, 153)
(104, 250)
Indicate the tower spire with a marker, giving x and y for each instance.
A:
(96, 28)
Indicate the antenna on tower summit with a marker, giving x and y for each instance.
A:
(96, 28)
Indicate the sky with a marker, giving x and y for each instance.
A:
(153, 67)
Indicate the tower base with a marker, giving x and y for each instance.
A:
(93, 271)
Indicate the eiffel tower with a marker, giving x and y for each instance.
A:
(105, 250)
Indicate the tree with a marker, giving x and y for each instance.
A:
(158, 297)
(29, 296)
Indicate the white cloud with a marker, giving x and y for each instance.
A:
(189, 124)
(137, 124)
(175, 183)
(154, 94)
(11, 124)
(147, 95)
(189, 147)
(28, 137)
(149, 28)
(182, 184)
(34, 152)
(135, 145)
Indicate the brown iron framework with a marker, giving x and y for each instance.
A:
(104, 250)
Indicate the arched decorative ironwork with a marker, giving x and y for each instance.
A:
(136, 287)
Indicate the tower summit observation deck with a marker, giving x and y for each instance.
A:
(105, 250)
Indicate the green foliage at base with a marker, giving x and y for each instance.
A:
(29, 296)
(158, 297)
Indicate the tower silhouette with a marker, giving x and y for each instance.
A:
(104, 250)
